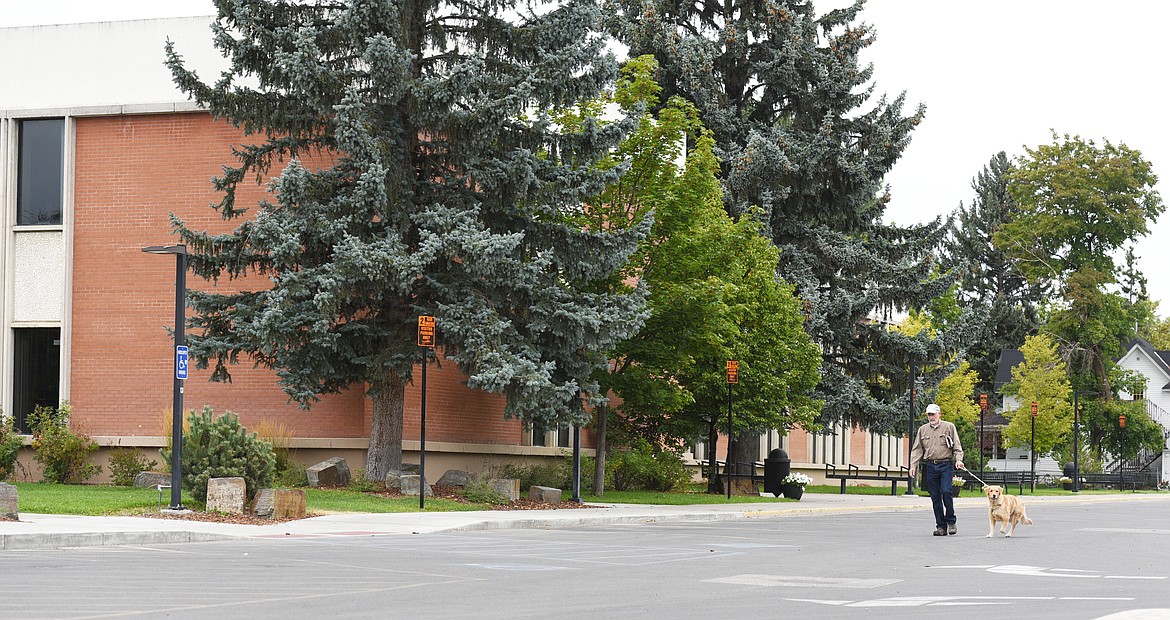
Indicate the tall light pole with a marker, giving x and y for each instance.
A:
(982, 415)
(1032, 447)
(1077, 438)
(1121, 461)
(181, 360)
(910, 427)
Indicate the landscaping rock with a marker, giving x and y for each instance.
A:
(508, 487)
(8, 503)
(226, 495)
(455, 478)
(151, 479)
(333, 472)
(409, 484)
(281, 504)
(544, 494)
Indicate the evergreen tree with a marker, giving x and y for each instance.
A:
(989, 280)
(423, 174)
(785, 97)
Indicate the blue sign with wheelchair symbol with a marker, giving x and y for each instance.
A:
(181, 362)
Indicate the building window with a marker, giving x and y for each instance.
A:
(41, 172)
(36, 372)
(556, 438)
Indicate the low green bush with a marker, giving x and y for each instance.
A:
(126, 463)
(360, 483)
(219, 447)
(479, 491)
(62, 451)
(646, 467)
(10, 444)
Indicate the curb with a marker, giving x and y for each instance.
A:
(26, 542)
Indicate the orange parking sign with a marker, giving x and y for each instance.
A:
(732, 371)
(426, 331)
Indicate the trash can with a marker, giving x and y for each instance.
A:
(776, 467)
(1069, 469)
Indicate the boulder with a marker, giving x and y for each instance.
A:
(544, 494)
(226, 495)
(332, 472)
(151, 479)
(8, 503)
(409, 484)
(508, 487)
(455, 478)
(281, 504)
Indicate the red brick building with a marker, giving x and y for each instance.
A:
(97, 148)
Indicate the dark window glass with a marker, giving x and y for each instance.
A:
(37, 371)
(42, 161)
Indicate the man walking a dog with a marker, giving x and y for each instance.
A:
(937, 447)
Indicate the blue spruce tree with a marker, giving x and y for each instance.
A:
(448, 190)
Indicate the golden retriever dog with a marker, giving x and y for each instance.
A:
(1004, 509)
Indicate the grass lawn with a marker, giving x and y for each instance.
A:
(88, 499)
(91, 499)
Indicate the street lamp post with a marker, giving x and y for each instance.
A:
(1121, 461)
(1077, 438)
(1032, 447)
(910, 421)
(180, 252)
(982, 415)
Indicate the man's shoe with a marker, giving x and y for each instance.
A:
(940, 531)
(951, 529)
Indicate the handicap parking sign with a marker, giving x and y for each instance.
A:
(181, 362)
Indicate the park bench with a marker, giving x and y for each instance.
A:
(883, 474)
(1131, 480)
(1003, 479)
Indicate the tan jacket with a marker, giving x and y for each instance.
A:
(934, 444)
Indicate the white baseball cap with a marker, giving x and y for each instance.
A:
(933, 408)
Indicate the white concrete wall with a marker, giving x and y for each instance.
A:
(101, 64)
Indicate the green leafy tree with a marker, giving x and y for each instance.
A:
(989, 280)
(956, 395)
(788, 104)
(1080, 204)
(714, 294)
(1042, 379)
(423, 174)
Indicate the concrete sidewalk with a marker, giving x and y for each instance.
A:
(42, 531)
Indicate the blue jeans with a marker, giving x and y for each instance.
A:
(937, 478)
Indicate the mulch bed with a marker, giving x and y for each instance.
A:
(449, 493)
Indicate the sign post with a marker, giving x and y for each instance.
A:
(426, 340)
(982, 415)
(732, 379)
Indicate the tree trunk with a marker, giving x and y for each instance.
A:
(602, 413)
(713, 476)
(385, 451)
(745, 451)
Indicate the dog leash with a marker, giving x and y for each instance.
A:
(975, 477)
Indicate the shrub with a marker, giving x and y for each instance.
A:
(125, 464)
(479, 491)
(219, 448)
(644, 467)
(360, 483)
(61, 451)
(280, 437)
(546, 473)
(10, 444)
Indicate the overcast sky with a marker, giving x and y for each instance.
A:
(995, 75)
